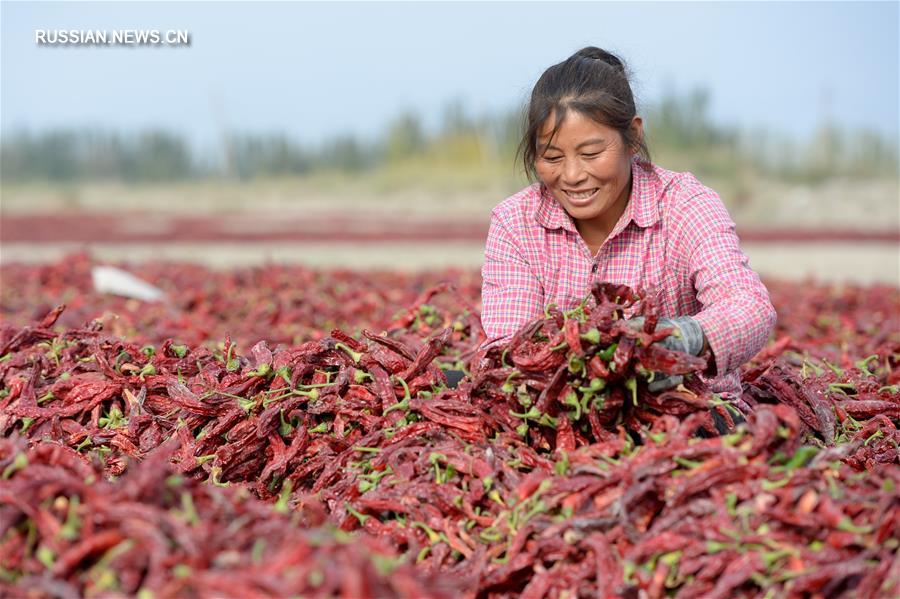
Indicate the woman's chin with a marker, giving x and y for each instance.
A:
(582, 212)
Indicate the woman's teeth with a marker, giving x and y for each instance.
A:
(583, 195)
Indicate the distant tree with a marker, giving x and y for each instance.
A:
(405, 137)
(158, 156)
(455, 118)
(344, 153)
(259, 156)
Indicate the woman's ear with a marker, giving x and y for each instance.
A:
(637, 134)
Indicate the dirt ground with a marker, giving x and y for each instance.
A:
(281, 220)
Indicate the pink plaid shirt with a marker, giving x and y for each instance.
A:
(674, 240)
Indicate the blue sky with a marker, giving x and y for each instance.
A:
(312, 70)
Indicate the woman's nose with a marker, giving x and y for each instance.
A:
(572, 172)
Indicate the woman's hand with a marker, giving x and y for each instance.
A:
(687, 337)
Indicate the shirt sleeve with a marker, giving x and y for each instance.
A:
(737, 315)
(511, 295)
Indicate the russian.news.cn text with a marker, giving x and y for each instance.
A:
(115, 37)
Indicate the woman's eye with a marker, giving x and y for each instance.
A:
(591, 155)
(552, 158)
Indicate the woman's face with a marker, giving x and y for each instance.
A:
(587, 168)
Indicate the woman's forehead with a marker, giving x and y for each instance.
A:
(574, 125)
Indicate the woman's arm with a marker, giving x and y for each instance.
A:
(737, 316)
(511, 295)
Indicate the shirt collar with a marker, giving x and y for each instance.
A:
(642, 207)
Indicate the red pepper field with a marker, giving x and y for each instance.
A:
(279, 431)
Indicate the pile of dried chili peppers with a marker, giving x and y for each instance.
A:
(273, 302)
(550, 471)
(68, 532)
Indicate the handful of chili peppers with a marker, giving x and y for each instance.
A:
(569, 378)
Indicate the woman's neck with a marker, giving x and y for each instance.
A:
(596, 230)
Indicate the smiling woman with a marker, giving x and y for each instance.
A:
(600, 211)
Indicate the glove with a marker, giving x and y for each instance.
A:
(687, 338)
(454, 377)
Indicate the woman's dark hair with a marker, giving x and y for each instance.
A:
(592, 82)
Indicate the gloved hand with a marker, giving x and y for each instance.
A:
(687, 337)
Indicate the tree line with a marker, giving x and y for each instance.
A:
(681, 133)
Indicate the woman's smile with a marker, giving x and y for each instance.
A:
(581, 198)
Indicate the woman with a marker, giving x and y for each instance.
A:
(601, 211)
